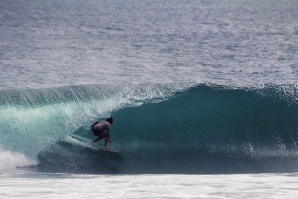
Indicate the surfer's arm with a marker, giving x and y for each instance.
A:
(109, 135)
(108, 138)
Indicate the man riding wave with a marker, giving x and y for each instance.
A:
(102, 130)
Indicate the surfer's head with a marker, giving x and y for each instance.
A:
(110, 120)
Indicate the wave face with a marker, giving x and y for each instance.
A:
(181, 128)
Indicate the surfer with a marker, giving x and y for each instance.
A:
(102, 130)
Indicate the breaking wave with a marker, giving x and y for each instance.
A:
(172, 128)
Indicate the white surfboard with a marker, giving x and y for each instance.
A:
(85, 142)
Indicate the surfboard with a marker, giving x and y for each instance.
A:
(85, 142)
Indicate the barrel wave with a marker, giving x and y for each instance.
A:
(173, 128)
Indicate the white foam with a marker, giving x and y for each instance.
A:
(11, 160)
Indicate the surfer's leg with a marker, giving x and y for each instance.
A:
(100, 136)
(97, 133)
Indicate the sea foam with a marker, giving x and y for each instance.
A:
(10, 160)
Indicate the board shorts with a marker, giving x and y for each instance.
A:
(100, 133)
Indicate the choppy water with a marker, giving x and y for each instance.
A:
(195, 87)
(60, 43)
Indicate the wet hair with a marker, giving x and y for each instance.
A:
(110, 120)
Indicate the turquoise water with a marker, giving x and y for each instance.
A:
(195, 87)
(249, 129)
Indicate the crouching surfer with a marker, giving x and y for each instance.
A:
(102, 130)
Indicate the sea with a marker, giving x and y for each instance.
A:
(203, 93)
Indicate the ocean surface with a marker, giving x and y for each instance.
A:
(204, 97)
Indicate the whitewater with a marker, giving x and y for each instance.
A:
(204, 97)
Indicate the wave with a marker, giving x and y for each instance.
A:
(172, 128)
(32, 120)
(10, 160)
